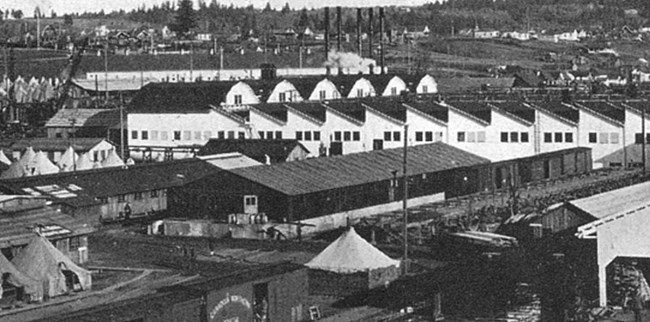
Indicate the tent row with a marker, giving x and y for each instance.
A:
(41, 271)
(33, 163)
(32, 91)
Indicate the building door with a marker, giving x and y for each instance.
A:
(378, 144)
(547, 169)
(336, 148)
(250, 204)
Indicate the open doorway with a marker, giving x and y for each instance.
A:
(72, 282)
(261, 302)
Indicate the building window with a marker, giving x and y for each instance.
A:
(387, 136)
(428, 136)
(197, 135)
(221, 135)
(145, 135)
(187, 135)
(347, 136)
(307, 136)
(337, 136)
(154, 135)
(207, 135)
(74, 244)
(613, 138)
(603, 138)
(137, 195)
(283, 97)
(504, 136)
(261, 134)
(425, 89)
(393, 91)
(471, 137)
(250, 200)
(548, 137)
(638, 138)
(419, 136)
(102, 200)
(134, 135)
(593, 137)
(163, 136)
(278, 135)
(524, 137)
(121, 198)
(480, 136)
(95, 156)
(568, 137)
(558, 137)
(58, 135)
(359, 92)
(461, 137)
(154, 193)
(316, 135)
(356, 136)
(231, 134)
(322, 95)
(269, 135)
(238, 99)
(241, 135)
(299, 135)
(514, 137)
(177, 135)
(396, 136)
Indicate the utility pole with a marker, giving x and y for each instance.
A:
(105, 70)
(74, 162)
(121, 127)
(405, 201)
(191, 61)
(643, 139)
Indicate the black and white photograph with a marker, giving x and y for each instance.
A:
(333, 161)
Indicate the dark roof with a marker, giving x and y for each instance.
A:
(315, 110)
(262, 88)
(85, 117)
(432, 109)
(353, 109)
(56, 144)
(180, 97)
(82, 188)
(559, 109)
(344, 83)
(412, 81)
(639, 106)
(391, 107)
(15, 226)
(240, 277)
(604, 108)
(305, 85)
(479, 110)
(380, 81)
(472, 84)
(276, 110)
(276, 149)
(516, 109)
(327, 173)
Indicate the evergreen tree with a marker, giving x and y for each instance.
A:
(286, 8)
(185, 17)
(268, 7)
(303, 20)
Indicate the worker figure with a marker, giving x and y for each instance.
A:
(127, 211)
(637, 306)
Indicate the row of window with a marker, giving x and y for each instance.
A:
(136, 196)
(347, 136)
(189, 135)
(603, 138)
(270, 135)
(308, 135)
(638, 138)
(392, 136)
(471, 136)
(558, 137)
(428, 136)
(514, 137)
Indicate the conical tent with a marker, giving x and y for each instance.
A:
(66, 163)
(27, 156)
(4, 159)
(32, 287)
(42, 165)
(84, 163)
(15, 170)
(112, 160)
(43, 262)
(350, 254)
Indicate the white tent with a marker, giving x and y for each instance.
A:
(66, 163)
(4, 159)
(112, 160)
(350, 254)
(20, 168)
(42, 165)
(84, 163)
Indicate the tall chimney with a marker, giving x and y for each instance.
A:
(338, 28)
(327, 32)
(381, 39)
(370, 32)
(359, 49)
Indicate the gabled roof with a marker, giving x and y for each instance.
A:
(559, 109)
(478, 110)
(431, 108)
(604, 109)
(315, 110)
(350, 254)
(275, 110)
(276, 149)
(85, 117)
(352, 109)
(391, 108)
(327, 173)
(380, 81)
(304, 85)
(344, 83)
(263, 88)
(412, 81)
(56, 144)
(83, 188)
(180, 97)
(515, 109)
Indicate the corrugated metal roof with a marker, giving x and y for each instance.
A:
(517, 109)
(479, 110)
(320, 174)
(82, 188)
(315, 110)
(615, 201)
(390, 107)
(432, 109)
(275, 110)
(180, 97)
(230, 160)
(353, 109)
(560, 109)
(253, 148)
(85, 117)
(605, 109)
(471, 84)
(305, 85)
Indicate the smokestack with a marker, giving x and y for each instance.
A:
(338, 28)
(327, 32)
(359, 49)
(370, 32)
(381, 39)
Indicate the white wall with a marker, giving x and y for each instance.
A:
(420, 123)
(427, 85)
(394, 87)
(375, 127)
(548, 123)
(336, 122)
(290, 92)
(496, 150)
(590, 123)
(296, 122)
(460, 123)
(263, 122)
(331, 92)
(102, 149)
(247, 94)
(364, 86)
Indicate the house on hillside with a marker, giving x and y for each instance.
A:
(486, 34)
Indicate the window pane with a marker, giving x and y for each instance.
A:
(514, 136)
(145, 135)
(134, 135)
(316, 135)
(568, 137)
(261, 134)
(471, 136)
(307, 136)
(548, 137)
(337, 136)
(197, 135)
(638, 138)
(163, 135)
(387, 136)
(396, 136)
(187, 135)
(177, 135)
(356, 136)
(480, 136)
(593, 137)
(418, 136)
(231, 134)
(269, 135)
(428, 136)
(603, 137)
(558, 137)
(278, 135)
(461, 137)
(524, 137)
(299, 135)
(613, 138)
(504, 136)
(241, 135)
(154, 135)
(221, 134)
(347, 136)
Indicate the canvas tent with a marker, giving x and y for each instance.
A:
(66, 163)
(350, 264)
(31, 287)
(41, 261)
(4, 159)
(112, 160)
